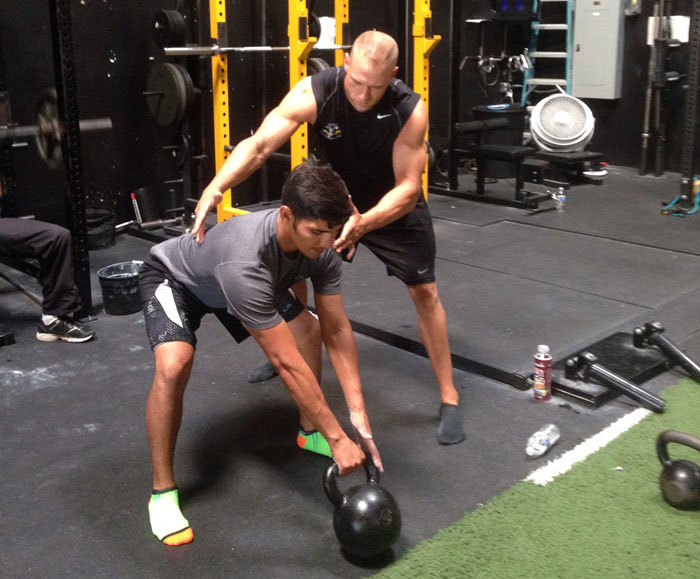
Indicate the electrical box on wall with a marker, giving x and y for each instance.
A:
(596, 68)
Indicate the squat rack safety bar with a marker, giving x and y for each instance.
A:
(423, 44)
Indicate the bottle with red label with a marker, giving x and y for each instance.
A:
(543, 373)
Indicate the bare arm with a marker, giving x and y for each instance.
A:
(342, 351)
(279, 345)
(408, 159)
(299, 106)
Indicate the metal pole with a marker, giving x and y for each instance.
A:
(65, 75)
(264, 170)
(618, 383)
(453, 98)
(691, 107)
(8, 202)
(646, 128)
(670, 349)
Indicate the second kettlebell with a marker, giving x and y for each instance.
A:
(679, 479)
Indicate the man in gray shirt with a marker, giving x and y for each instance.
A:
(371, 129)
(242, 273)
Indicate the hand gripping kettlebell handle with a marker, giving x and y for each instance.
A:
(668, 436)
(330, 480)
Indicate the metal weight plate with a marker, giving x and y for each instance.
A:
(168, 28)
(314, 26)
(48, 138)
(315, 65)
(169, 93)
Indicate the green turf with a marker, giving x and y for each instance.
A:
(604, 518)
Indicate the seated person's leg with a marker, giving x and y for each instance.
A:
(52, 246)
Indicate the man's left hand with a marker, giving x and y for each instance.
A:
(364, 434)
(352, 231)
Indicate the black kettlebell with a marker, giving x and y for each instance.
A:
(679, 479)
(367, 520)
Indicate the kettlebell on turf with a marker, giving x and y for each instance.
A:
(366, 520)
(679, 479)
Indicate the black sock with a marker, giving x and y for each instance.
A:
(262, 373)
(450, 430)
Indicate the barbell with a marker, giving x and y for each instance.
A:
(169, 32)
(48, 130)
(215, 49)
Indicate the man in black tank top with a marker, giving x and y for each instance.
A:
(371, 128)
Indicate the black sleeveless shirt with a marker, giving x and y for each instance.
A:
(358, 145)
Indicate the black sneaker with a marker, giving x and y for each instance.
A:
(63, 330)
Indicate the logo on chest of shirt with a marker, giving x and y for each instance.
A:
(331, 131)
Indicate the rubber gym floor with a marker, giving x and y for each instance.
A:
(75, 474)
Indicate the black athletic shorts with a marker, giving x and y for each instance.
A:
(174, 314)
(406, 246)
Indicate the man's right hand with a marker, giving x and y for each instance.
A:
(347, 455)
(207, 202)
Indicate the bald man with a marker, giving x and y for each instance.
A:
(371, 129)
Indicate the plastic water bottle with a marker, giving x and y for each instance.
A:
(543, 373)
(542, 440)
(561, 199)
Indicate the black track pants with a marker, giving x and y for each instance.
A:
(52, 246)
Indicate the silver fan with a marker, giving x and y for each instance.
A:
(561, 123)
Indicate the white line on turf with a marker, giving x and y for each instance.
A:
(549, 471)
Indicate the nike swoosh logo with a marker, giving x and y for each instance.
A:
(422, 271)
(383, 116)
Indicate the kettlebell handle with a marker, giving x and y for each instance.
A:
(668, 436)
(330, 480)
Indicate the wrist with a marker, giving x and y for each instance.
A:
(212, 190)
(337, 441)
(363, 224)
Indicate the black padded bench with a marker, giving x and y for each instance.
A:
(510, 153)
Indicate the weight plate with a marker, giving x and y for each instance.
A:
(315, 65)
(168, 28)
(314, 26)
(189, 87)
(169, 93)
(48, 139)
(100, 236)
(95, 216)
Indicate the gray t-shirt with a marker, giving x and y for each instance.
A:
(241, 267)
